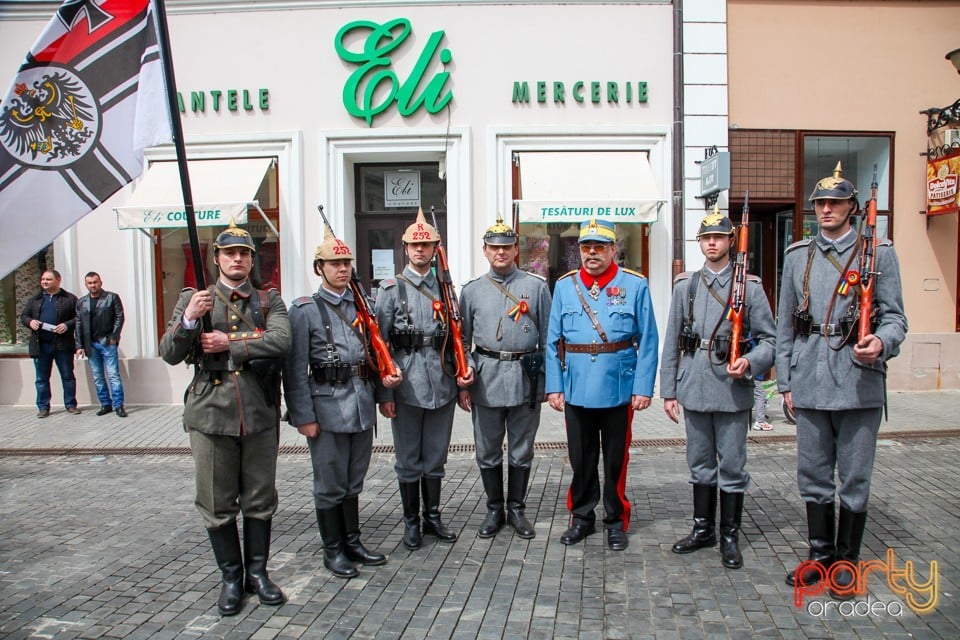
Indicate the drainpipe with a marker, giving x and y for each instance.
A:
(678, 209)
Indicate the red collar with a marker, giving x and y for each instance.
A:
(602, 280)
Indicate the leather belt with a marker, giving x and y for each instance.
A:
(504, 356)
(826, 329)
(600, 347)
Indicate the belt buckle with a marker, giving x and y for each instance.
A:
(505, 356)
(826, 329)
(594, 348)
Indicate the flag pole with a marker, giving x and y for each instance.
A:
(163, 40)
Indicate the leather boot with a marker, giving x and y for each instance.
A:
(410, 497)
(226, 549)
(330, 522)
(493, 486)
(731, 510)
(256, 550)
(704, 532)
(850, 528)
(517, 478)
(352, 546)
(820, 534)
(432, 524)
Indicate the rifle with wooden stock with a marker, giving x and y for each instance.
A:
(738, 295)
(868, 263)
(448, 296)
(382, 361)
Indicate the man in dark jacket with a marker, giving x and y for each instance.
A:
(99, 321)
(51, 317)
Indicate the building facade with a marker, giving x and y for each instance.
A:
(542, 113)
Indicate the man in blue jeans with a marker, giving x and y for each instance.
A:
(51, 317)
(99, 321)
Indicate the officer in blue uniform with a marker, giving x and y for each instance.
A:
(601, 364)
(716, 396)
(834, 382)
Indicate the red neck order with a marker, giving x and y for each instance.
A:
(602, 280)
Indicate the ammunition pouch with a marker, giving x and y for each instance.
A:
(721, 347)
(333, 371)
(802, 322)
(688, 341)
(850, 321)
(407, 339)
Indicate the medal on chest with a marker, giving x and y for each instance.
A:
(616, 296)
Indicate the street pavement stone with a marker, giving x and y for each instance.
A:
(104, 543)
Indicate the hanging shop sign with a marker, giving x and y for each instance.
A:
(715, 174)
(593, 91)
(943, 195)
(374, 86)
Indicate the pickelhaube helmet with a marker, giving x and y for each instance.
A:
(333, 248)
(420, 231)
(500, 234)
(234, 236)
(715, 222)
(834, 187)
(595, 230)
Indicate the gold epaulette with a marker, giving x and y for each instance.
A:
(636, 273)
(567, 274)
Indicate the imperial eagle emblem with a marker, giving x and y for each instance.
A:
(50, 119)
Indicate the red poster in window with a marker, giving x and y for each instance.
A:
(943, 195)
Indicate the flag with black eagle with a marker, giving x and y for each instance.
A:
(86, 102)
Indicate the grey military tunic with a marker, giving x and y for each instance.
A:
(426, 398)
(838, 399)
(501, 391)
(345, 412)
(232, 427)
(716, 406)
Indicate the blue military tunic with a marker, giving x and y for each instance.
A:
(625, 312)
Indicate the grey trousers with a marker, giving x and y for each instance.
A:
(717, 448)
(233, 475)
(845, 440)
(421, 438)
(519, 424)
(340, 463)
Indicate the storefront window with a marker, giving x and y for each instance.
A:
(551, 250)
(857, 154)
(15, 289)
(174, 266)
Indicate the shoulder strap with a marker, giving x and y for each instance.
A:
(589, 311)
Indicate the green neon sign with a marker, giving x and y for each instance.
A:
(374, 86)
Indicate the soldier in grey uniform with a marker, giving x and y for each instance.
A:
(505, 315)
(231, 411)
(716, 396)
(411, 318)
(328, 381)
(835, 383)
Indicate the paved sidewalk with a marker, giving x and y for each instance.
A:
(159, 427)
(106, 544)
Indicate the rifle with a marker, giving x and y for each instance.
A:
(738, 294)
(382, 361)
(448, 295)
(868, 263)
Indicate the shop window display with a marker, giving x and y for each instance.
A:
(551, 250)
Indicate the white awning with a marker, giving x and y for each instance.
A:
(221, 189)
(573, 186)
